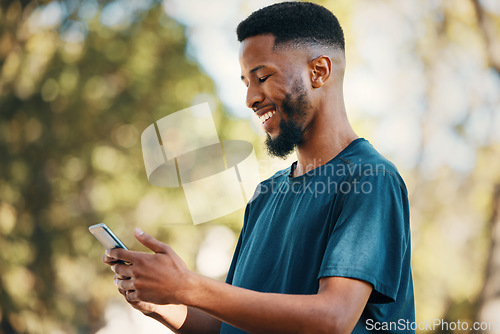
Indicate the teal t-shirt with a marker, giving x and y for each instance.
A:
(348, 218)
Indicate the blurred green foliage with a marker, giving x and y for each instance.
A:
(75, 94)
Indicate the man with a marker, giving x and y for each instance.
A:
(325, 246)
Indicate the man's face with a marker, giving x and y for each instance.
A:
(276, 92)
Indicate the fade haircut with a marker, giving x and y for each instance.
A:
(294, 23)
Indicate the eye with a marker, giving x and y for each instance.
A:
(264, 78)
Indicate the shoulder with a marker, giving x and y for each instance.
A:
(362, 160)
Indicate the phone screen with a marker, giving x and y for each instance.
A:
(106, 237)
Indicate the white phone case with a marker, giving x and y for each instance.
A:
(106, 237)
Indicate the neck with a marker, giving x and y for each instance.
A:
(327, 134)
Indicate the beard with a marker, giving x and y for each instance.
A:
(291, 128)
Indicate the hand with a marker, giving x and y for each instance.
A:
(144, 307)
(158, 278)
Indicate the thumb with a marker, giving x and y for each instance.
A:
(150, 242)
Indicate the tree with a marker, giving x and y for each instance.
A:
(76, 90)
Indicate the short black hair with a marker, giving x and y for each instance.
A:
(297, 22)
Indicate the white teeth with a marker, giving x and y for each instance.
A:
(267, 116)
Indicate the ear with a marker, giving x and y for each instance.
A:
(321, 68)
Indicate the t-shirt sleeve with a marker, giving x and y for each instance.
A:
(232, 267)
(371, 234)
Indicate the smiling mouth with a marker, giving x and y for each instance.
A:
(264, 118)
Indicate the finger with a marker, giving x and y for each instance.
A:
(128, 294)
(123, 270)
(131, 296)
(121, 276)
(150, 242)
(108, 259)
(123, 292)
(120, 254)
(124, 284)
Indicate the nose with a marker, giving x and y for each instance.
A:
(254, 96)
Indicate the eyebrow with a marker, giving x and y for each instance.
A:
(255, 69)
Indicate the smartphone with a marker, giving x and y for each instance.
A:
(106, 237)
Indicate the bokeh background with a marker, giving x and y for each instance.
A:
(81, 79)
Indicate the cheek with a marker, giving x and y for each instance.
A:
(277, 91)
